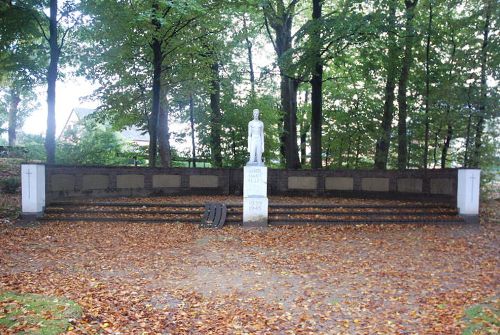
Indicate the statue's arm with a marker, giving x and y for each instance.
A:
(262, 137)
(249, 137)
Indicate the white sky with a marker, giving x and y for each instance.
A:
(68, 96)
(71, 91)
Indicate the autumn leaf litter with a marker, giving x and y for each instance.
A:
(181, 279)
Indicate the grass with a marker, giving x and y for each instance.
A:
(483, 318)
(36, 314)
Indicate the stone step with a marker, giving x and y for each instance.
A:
(279, 214)
(456, 220)
(66, 204)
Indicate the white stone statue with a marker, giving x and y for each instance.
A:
(255, 139)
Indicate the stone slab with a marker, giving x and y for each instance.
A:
(204, 181)
(302, 183)
(255, 211)
(166, 180)
(442, 186)
(410, 185)
(375, 184)
(339, 183)
(468, 192)
(130, 181)
(255, 181)
(62, 182)
(32, 189)
(95, 182)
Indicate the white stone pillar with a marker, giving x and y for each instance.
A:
(255, 202)
(33, 189)
(468, 190)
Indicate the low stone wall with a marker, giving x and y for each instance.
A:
(78, 182)
(409, 184)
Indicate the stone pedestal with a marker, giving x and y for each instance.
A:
(255, 202)
(468, 189)
(33, 189)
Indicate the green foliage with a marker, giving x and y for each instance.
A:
(10, 185)
(482, 319)
(353, 38)
(42, 314)
(23, 60)
(34, 145)
(91, 144)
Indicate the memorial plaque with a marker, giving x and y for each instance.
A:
(255, 181)
(255, 211)
(339, 183)
(441, 186)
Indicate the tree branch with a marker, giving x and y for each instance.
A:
(269, 34)
(40, 26)
(65, 33)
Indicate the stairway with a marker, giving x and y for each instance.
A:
(279, 214)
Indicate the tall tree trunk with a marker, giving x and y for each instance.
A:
(358, 151)
(449, 120)
(163, 133)
(250, 56)
(327, 156)
(191, 121)
(215, 117)
(55, 52)
(280, 19)
(304, 129)
(155, 110)
(13, 115)
(316, 89)
(292, 154)
(156, 46)
(403, 83)
(478, 140)
(447, 140)
(383, 143)
(427, 87)
(434, 149)
(468, 134)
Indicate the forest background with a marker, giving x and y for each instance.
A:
(385, 84)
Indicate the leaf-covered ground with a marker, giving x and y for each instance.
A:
(181, 279)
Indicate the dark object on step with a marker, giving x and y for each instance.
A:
(215, 215)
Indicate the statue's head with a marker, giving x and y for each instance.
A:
(256, 113)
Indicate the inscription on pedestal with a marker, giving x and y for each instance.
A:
(255, 202)
(255, 212)
(255, 181)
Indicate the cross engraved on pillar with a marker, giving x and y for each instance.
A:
(29, 182)
(472, 178)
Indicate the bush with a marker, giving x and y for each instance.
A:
(10, 185)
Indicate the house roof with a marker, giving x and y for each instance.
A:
(134, 134)
(81, 113)
(129, 134)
